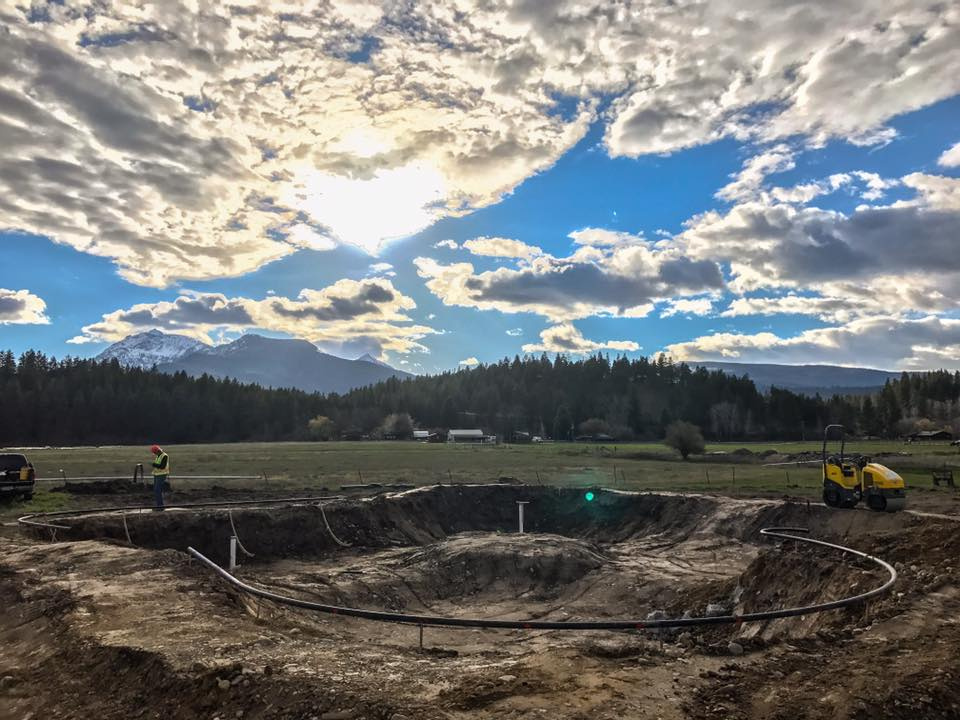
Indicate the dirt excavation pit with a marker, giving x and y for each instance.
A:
(185, 644)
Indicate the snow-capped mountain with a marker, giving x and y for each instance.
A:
(270, 362)
(279, 363)
(146, 349)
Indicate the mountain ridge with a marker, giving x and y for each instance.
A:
(153, 347)
(252, 358)
(808, 379)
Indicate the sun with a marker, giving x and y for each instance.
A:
(392, 204)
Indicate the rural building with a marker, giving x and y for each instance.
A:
(426, 436)
(930, 436)
(469, 436)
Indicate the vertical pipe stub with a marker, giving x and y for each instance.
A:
(520, 504)
(233, 553)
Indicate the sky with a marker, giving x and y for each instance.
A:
(449, 183)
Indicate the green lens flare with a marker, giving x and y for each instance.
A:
(588, 497)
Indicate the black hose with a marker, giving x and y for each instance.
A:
(432, 620)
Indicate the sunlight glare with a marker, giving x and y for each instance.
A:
(394, 203)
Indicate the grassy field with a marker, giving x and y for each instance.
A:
(629, 465)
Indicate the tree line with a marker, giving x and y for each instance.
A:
(45, 401)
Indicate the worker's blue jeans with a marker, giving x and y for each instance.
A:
(158, 482)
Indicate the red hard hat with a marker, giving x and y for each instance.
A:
(154, 449)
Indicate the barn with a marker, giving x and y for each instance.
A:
(473, 435)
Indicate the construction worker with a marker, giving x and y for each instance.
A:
(161, 470)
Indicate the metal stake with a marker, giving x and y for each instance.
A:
(233, 553)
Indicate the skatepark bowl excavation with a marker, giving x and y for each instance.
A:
(115, 593)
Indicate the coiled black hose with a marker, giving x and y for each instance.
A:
(783, 533)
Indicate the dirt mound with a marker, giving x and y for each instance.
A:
(115, 486)
(50, 670)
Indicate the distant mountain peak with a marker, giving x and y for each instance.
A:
(367, 357)
(282, 363)
(149, 348)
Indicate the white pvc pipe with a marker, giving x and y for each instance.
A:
(520, 504)
(233, 553)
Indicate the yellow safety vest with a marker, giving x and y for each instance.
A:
(162, 471)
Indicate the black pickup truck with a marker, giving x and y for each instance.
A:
(17, 476)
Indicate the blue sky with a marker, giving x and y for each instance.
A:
(537, 193)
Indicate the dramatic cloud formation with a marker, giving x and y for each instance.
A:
(864, 255)
(21, 307)
(367, 314)
(886, 271)
(188, 142)
(609, 274)
(766, 71)
(565, 338)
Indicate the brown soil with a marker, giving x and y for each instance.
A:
(94, 627)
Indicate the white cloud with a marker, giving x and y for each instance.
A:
(22, 307)
(748, 181)
(609, 274)
(188, 141)
(697, 306)
(303, 236)
(383, 269)
(768, 71)
(861, 255)
(565, 338)
(469, 362)
(876, 186)
(366, 316)
(515, 332)
(831, 309)
(950, 157)
(884, 342)
(501, 247)
(449, 244)
(805, 192)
